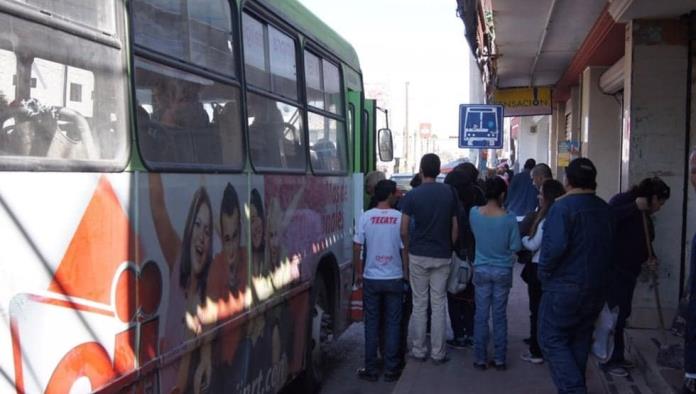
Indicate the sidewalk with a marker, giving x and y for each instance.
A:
(459, 376)
(644, 345)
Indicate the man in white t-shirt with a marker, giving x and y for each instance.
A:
(378, 233)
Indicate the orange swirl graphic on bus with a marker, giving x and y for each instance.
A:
(97, 299)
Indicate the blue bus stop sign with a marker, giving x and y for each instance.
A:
(480, 126)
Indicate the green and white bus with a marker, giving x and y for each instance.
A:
(178, 185)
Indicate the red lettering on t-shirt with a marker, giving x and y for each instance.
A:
(383, 220)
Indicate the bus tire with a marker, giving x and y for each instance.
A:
(311, 378)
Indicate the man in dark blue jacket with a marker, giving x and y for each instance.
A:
(690, 338)
(576, 256)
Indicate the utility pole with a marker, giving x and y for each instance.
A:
(407, 162)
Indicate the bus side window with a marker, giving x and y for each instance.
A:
(194, 31)
(327, 133)
(190, 120)
(57, 106)
(276, 135)
(327, 140)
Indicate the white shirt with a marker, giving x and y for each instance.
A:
(534, 244)
(379, 232)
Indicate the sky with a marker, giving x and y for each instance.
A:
(408, 40)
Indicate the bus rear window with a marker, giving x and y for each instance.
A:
(62, 100)
(98, 14)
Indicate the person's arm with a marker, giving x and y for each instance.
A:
(515, 242)
(204, 370)
(358, 243)
(510, 191)
(91, 147)
(533, 244)
(405, 220)
(555, 239)
(357, 263)
(404, 262)
(168, 239)
(455, 217)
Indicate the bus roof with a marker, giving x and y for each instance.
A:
(313, 27)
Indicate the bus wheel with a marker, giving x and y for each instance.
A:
(318, 332)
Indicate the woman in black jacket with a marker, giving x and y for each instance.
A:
(461, 307)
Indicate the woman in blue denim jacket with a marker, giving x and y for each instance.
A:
(497, 239)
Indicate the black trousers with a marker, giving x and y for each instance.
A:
(620, 293)
(534, 291)
(529, 274)
(461, 309)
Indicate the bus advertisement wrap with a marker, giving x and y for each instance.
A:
(178, 282)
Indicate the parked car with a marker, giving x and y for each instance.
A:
(403, 181)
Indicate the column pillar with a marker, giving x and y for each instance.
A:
(601, 132)
(654, 135)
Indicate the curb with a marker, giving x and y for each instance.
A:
(644, 353)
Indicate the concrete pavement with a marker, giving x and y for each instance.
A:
(459, 376)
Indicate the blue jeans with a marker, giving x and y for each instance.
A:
(492, 290)
(382, 298)
(566, 323)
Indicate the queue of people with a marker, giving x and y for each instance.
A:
(579, 253)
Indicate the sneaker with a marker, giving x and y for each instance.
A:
(441, 361)
(616, 370)
(392, 376)
(457, 343)
(364, 374)
(468, 341)
(531, 358)
(626, 364)
(416, 358)
(480, 366)
(500, 366)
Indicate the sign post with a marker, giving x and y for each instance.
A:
(480, 126)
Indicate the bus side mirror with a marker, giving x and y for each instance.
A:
(386, 145)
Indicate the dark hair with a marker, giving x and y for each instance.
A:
(430, 165)
(230, 202)
(494, 188)
(199, 199)
(257, 203)
(529, 164)
(650, 187)
(543, 170)
(551, 189)
(384, 189)
(463, 179)
(416, 181)
(468, 170)
(582, 173)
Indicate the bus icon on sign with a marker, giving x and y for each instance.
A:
(480, 126)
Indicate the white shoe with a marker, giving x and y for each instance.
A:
(530, 358)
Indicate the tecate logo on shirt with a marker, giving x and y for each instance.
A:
(383, 220)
